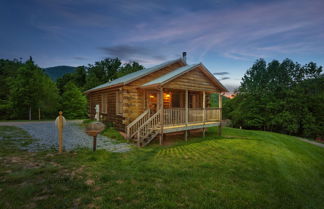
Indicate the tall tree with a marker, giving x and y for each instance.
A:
(31, 89)
(49, 102)
(284, 97)
(8, 70)
(74, 103)
(25, 91)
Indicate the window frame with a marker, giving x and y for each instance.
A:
(104, 103)
(119, 102)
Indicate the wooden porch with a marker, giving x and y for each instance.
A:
(168, 113)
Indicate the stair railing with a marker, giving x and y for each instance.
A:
(132, 128)
(148, 127)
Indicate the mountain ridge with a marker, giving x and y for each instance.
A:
(56, 72)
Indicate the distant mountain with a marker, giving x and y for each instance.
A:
(58, 71)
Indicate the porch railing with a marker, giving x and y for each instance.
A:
(177, 116)
(213, 114)
(174, 116)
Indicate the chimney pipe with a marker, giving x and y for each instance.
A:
(184, 57)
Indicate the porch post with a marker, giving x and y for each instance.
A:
(204, 112)
(161, 116)
(187, 115)
(220, 106)
(144, 100)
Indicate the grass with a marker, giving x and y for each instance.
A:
(242, 169)
(111, 132)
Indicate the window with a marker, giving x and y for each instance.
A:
(104, 102)
(119, 102)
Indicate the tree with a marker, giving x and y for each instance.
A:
(25, 91)
(129, 68)
(8, 70)
(31, 89)
(49, 102)
(80, 76)
(74, 103)
(284, 97)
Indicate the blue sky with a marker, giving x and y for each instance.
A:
(226, 35)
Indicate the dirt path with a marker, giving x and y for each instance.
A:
(15, 123)
(74, 136)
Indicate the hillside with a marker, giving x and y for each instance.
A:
(242, 169)
(58, 71)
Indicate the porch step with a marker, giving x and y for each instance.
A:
(150, 138)
(147, 139)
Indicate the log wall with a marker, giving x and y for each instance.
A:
(132, 99)
(193, 80)
(133, 104)
(110, 115)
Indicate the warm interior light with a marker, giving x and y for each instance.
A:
(151, 96)
(167, 95)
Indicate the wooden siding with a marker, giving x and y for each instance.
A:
(193, 80)
(111, 116)
(133, 98)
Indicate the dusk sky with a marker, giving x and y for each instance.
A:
(225, 35)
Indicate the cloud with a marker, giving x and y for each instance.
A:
(237, 33)
(231, 87)
(221, 73)
(135, 53)
(225, 78)
(220, 34)
(80, 58)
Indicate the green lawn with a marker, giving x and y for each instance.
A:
(242, 169)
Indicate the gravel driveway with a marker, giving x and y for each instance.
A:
(73, 136)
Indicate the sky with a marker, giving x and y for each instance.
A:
(225, 35)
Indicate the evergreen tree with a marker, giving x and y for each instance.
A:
(31, 90)
(25, 90)
(74, 103)
(50, 98)
(8, 70)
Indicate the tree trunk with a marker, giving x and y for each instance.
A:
(39, 116)
(29, 112)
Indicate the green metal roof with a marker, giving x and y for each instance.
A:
(135, 75)
(170, 75)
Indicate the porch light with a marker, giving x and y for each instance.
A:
(151, 96)
(167, 95)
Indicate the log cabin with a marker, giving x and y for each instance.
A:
(170, 97)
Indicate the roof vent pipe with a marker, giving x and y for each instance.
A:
(184, 57)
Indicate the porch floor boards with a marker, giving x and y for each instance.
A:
(190, 126)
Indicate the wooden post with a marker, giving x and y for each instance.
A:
(161, 116)
(138, 139)
(94, 143)
(60, 131)
(220, 106)
(204, 112)
(39, 114)
(144, 100)
(187, 114)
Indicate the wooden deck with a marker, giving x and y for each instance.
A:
(190, 126)
(168, 119)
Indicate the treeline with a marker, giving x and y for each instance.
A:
(28, 93)
(282, 97)
(101, 72)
